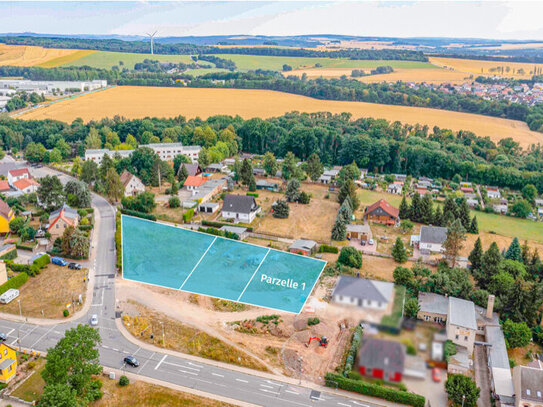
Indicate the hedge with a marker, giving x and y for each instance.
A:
(138, 214)
(10, 255)
(374, 390)
(85, 227)
(187, 216)
(217, 232)
(85, 211)
(325, 248)
(355, 345)
(31, 270)
(252, 194)
(42, 261)
(14, 282)
(118, 236)
(221, 224)
(24, 247)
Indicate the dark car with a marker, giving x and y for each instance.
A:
(3, 337)
(74, 266)
(131, 361)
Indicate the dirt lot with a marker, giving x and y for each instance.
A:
(248, 103)
(49, 292)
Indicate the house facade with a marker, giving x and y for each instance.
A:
(304, 247)
(8, 363)
(461, 323)
(165, 151)
(382, 359)
(26, 185)
(17, 174)
(528, 385)
(361, 232)
(240, 208)
(6, 216)
(432, 239)
(382, 212)
(61, 219)
(363, 293)
(132, 184)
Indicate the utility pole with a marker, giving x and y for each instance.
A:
(19, 326)
(163, 335)
(300, 360)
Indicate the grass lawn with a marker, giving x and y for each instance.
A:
(184, 338)
(107, 59)
(393, 319)
(203, 71)
(49, 291)
(31, 389)
(247, 62)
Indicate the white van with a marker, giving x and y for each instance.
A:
(9, 296)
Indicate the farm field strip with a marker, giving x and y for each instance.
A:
(26, 55)
(107, 59)
(139, 102)
(480, 67)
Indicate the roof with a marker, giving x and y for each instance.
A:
(531, 379)
(385, 206)
(18, 172)
(126, 177)
(433, 303)
(497, 353)
(66, 213)
(381, 354)
(234, 229)
(4, 185)
(264, 183)
(193, 181)
(239, 203)
(358, 228)
(5, 210)
(192, 169)
(433, 234)
(462, 313)
(209, 205)
(24, 183)
(364, 289)
(302, 244)
(6, 363)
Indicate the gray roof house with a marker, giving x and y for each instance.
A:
(501, 381)
(192, 169)
(528, 385)
(432, 239)
(240, 208)
(363, 293)
(462, 313)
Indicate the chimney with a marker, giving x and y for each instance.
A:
(490, 306)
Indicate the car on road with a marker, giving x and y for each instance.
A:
(131, 361)
(436, 375)
(94, 320)
(3, 337)
(74, 266)
(59, 261)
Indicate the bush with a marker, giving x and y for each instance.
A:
(252, 194)
(350, 257)
(124, 381)
(174, 202)
(304, 198)
(12, 254)
(42, 261)
(24, 247)
(325, 248)
(65, 313)
(351, 354)
(221, 224)
(84, 222)
(374, 390)
(411, 350)
(313, 321)
(85, 227)
(187, 216)
(14, 282)
(138, 214)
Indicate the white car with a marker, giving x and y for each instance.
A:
(94, 320)
(370, 242)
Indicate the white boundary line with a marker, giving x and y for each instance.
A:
(197, 264)
(253, 276)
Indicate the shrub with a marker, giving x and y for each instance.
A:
(12, 254)
(24, 247)
(304, 198)
(65, 313)
(313, 321)
(325, 248)
(14, 282)
(252, 194)
(124, 381)
(187, 216)
(221, 224)
(84, 222)
(138, 214)
(174, 202)
(351, 354)
(351, 257)
(42, 261)
(411, 350)
(85, 227)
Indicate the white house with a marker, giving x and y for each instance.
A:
(17, 174)
(165, 151)
(132, 184)
(493, 193)
(240, 208)
(26, 185)
(363, 293)
(431, 239)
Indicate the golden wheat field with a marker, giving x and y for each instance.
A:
(138, 102)
(484, 67)
(26, 55)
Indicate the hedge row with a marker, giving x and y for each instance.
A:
(42, 261)
(221, 224)
(325, 248)
(252, 194)
(85, 227)
(217, 232)
(14, 282)
(355, 345)
(85, 211)
(188, 215)
(24, 247)
(138, 214)
(374, 390)
(118, 236)
(10, 255)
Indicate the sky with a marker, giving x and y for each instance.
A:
(511, 19)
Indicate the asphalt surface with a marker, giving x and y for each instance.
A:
(177, 370)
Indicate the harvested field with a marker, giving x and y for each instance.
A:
(107, 59)
(63, 60)
(483, 67)
(25, 55)
(138, 102)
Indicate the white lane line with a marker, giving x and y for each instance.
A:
(360, 404)
(41, 337)
(9, 333)
(201, 258)
(218, 375)
(136, 352)
(36, 327)
(191, 368)
(253, 276)
(194, 364)
(201, 380)
(269, 391)
(265, 385)
(147, 361)
(343, 404)
(241, 380)
(192, 373)
(178, 365)
(159, 363)
(291, 392)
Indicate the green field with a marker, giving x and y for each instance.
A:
(203, 71)
(105, 59)
(248, 62)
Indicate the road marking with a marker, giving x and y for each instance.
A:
(291, 392)
(241, 380)
(265, 385)
(218, 375)
(194, 364)
(269, 391)
(136, 352)
(201, 380)
(192, 373)
(201, 258)
(183, 366)
(36, 327)
(147, 361)
(360, 404)
(10, 332)
(253, 276)
(41, 337)
(275, 384)
(159, 363)
(191, 368)
(343, 404)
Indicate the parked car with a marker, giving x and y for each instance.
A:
(131, 361)
(3, 337)
(436, 375)
(59, 261)
(94, 320)
(74, 266)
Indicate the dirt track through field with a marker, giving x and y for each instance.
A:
(139, 102)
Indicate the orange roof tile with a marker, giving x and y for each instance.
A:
(194, 181)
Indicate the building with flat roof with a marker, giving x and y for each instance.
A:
(165, 151)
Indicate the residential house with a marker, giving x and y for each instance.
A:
(325, 179)
(208, 207)
(263, 184)
(26, 185)
(192, 169)
(61, 219)
(395, 188)
(501, 207)
(363, 293)
(193, 183)
(17, 174)
(304, 247)
(241, 232)
(382, 359)
(466, 190)
(165, 151)
(4, 186)
(528, 385)
(240, 208)
(132, 184)
(361, 232)
(461, 323)
(6, 216)
(431, 239)
(216, 168)
(8, 362)
(493, 192)
(400, 177)
(382, 212)
(259, 172)
(433, 307)
(329, 176)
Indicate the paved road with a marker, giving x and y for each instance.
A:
(177, 370)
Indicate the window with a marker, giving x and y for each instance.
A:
(528, 392)
(465, 338)
(5, 352)
(10, 368)
(456, 337)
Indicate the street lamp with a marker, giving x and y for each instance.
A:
(19, 326)
(163, 336)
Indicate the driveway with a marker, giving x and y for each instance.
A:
(434, 392)
(482, 377)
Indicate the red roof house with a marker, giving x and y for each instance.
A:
(4, 185)
(193, 182)
(382, 212)
(382, 359)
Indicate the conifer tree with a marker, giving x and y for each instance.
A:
(438, 216)
(399, 254)
(415, 210)
(339, 231)
(514, 252)
(426, 209)
(456, 234)
(476, 255)
(404, 209)
(490, 265)
(474, 226)
(463, 214)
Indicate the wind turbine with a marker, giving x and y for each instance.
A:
(152, 36)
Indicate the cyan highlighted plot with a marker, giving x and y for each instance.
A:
(159, 254)
(178, 258)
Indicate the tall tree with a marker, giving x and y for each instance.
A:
(292, 192)
(463, 214)
(114, 186)
(490, 265)
(474, 226)
(415, 212)
(51, 193)
(476, 255)
(339, 230)
(246, 172)
(438, 216)
(290, 169)
(348, 189)
(399, 254)
(76, 166)
(426, 209)
(404, 208)
(182, 174)
(281, 209)
(514, 252)
(78, 194)
(314, 167)
(270, 164)
(462, 390)
(456, 234)
(89, 172)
